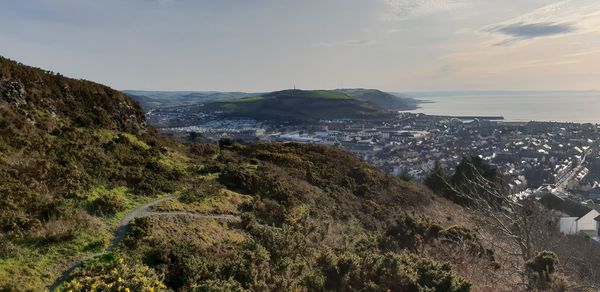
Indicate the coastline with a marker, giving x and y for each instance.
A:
(558, 107)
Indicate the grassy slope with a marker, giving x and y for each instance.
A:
(300, 105)
(382, 99)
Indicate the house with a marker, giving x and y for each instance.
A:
(574, 217)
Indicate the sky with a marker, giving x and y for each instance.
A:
(264, 45)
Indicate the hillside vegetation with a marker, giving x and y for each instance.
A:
(76, 158)
(311, 218)
(74, 155)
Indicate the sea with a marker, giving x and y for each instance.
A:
(514, 106)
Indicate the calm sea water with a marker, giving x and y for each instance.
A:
(579, 107)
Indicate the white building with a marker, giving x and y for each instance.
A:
(574, 217)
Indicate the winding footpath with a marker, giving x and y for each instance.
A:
(142, 211)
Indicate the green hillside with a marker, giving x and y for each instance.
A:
(382, 99)
(300, 105)
(151, 100)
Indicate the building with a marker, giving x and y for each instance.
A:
(574, 217)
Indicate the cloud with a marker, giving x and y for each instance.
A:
(558, 19)
(522, 31)
(406, 9)
(533, 30)
(345, 43)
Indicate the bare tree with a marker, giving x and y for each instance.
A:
(519, 221)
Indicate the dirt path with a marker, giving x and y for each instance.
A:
(142, 211)
(138, 212)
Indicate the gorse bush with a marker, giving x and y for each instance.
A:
(541, 268)
(201, 190)
(410, 232)
(108, 204)
(384, 272)
(118, 275)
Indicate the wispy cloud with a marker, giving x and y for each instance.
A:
(562, 18)
(406, 9)
(345, 43)
(522, 31)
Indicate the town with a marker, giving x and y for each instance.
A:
(559, 162)
(560, 156)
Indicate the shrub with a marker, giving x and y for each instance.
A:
(387, 272)
(57, 230)
(437, 180)
(108, 204)
(218, 286)
(541, 267)
(17, 223)
(226, 142)
(114, 275)
(406, 176)
(204, 150)
(409, 232)
(200, 191)
(7, 247)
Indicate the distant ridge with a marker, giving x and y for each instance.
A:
(159, 99)
(291, 104)
(299, 105)
(150, 100)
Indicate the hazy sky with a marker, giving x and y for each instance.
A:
(261, 45)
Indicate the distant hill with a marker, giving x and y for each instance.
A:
(382, 99)
(150, 100)
(302, 105)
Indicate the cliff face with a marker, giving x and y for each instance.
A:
(50, 101)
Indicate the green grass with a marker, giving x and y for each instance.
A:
(328, 94)
(35, 265)
(249, 166)
(98, 191)
(211, 176)
(247, 99)
(174, 160)
(105, 135)
(134, 140)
